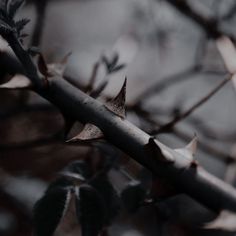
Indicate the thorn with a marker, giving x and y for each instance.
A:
(117, 105)
(162, 155)
(42, 65)
(90, 132)
(192, 146)
(64, 60)
(17, 82)
(190, 149)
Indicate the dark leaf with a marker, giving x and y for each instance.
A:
(60, 183)
(133, 195)
(109, 194)
(79, 167)
(91, 211)
(5, 29)
(117, 105)
(13, 7)
(49, 210)
(20, 24)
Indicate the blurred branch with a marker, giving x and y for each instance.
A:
(167, 127)
(209, 25)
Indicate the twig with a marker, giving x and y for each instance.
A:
(209, 25)
(167, 127)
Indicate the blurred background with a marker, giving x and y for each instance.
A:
(170, 62)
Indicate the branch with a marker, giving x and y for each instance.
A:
(177, 119)
(209, 25)
(194, 181)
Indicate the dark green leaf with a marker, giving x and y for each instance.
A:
(91, 211)
(132, 196)
(21, 24)
(49, 210)
(13, 7)
(109, 194)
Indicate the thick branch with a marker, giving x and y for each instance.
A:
(192, 180)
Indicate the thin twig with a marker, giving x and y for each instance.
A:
(167, 127)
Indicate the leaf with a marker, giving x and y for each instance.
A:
(162, 155)
(133, 195)
(117, 105)
(91, 212)
(20, 24)
(112, 201)
(80, 167)
(5, 29)
(49, 210)
(90, 132)
(13, 7)
(69, 222)
(60, 183)
(226, 220)
(17, 82)
(189, 151)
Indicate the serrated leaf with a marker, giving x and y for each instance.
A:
(226, 220)
(49, 210)
(117, 105)
(152, 148)
(17, 82)
(90, 132)
(91, 211)
(189, 150)
(112, 201)
(133, 195)
(13, 6)
(5, 28)
(20, 24)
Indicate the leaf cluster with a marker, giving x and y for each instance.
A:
(8, 10)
